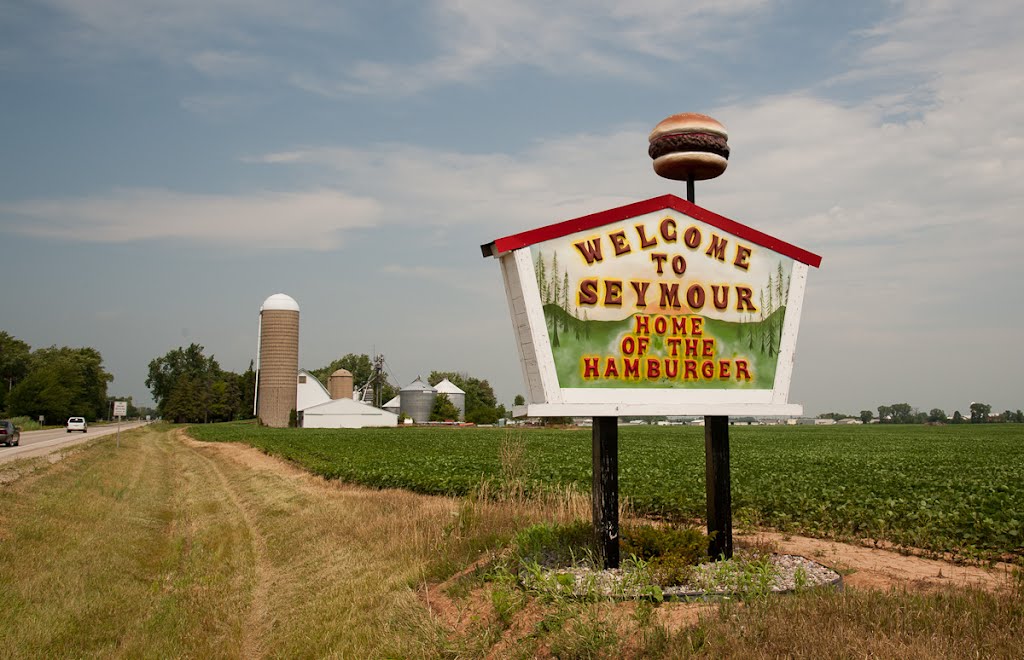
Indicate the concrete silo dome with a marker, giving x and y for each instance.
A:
(281, 302)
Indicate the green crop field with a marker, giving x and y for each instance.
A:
(956, 489)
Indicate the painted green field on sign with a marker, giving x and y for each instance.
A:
(956, 489)
(756, 343)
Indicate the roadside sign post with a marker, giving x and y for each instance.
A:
(605, 487)
(120, 410)
(655, 308)
(717, 474)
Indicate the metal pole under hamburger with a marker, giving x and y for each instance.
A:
(688, 147)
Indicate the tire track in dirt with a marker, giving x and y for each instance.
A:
(256, 620)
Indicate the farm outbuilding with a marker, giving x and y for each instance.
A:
(310, 391)
(346, 414)
(318, 410)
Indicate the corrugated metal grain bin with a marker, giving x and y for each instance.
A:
(417, 401)
(456, 395)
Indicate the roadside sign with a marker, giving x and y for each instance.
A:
(120, 408)
(659, 307)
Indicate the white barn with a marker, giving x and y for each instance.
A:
(346, 414)
(318, 410)
(310, 391)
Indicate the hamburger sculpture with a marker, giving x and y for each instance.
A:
(689, 147)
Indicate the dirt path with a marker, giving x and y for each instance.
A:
(255, 624)
(332, 563)
(874, 568)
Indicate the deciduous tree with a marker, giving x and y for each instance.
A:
(444, 410)
(14, 357)
(481, 403)
(980, 412)
(62, 382)
(188, 386)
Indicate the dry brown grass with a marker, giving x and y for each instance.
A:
(170, 547)
(948, 623)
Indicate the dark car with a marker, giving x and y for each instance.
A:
(9, 433)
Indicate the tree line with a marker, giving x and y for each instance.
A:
(191, 387)
(53, 382)
(903, 413)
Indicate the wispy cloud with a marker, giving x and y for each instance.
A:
(448, 277)
(453, 41)
(219, 64)
(315, 220)
(220, 106)
(475, 38)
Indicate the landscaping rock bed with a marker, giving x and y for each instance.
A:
(776, 573)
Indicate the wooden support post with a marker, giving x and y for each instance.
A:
(716, 456)
(605, 488)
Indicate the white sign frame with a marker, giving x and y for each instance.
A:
(546, 398)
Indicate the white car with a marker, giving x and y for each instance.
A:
(77, 424)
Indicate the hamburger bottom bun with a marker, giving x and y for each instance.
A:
(683, 164)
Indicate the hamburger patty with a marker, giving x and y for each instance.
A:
(673, 142)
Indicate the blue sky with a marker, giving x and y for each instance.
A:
(164, 167)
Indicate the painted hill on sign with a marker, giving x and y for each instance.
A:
(722, 355)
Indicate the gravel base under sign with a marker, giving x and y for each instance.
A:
(775, 573)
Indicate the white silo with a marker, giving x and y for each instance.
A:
(456, 395)
(277, 361)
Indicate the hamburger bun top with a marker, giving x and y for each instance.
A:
(688, 122)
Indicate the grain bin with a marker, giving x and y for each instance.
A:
(455, 395)
(277, 360)
(417, 401)
(340, 384)
(394, 405)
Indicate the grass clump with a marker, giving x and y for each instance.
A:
(556, 546)
(670, 552)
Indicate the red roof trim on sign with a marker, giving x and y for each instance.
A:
(594, 220)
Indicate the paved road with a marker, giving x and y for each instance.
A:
(38, 443)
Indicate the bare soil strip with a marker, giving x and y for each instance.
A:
(875, 568)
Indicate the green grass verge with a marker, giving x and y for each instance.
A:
(956, 489)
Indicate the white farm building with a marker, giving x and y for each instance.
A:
(318, 410)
